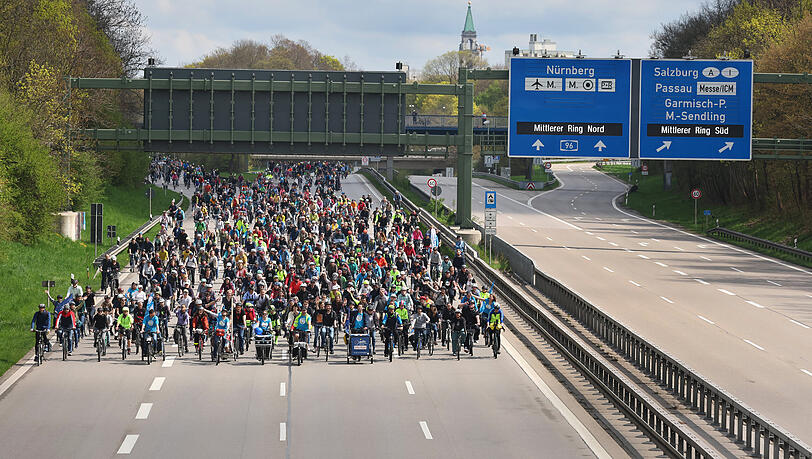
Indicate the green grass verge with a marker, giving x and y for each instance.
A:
(677, 206)
(23, 268)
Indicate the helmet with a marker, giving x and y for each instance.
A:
(125, 309)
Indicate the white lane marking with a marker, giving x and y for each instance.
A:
(701, 246)
(567, 248)
(282, 390)
(586, 258)
(522, 223)
(799, 324)
(807, 372)
(635, 232)
(705, 258)
(810, 296)
(667, 300)
(573, 421)
(608, 269)
(168, 362)
(736, 269)
(643, 257)
(679, 248)
(726, 292)
(706, 320)
(702, 282)
(634, 283)
(598, 218)
(774, 283)
(601, 239)
(533, 230)
(680, 272)
(127, 445)
(754, 344)
(549, 238)
(583, 213)
(535, 210)
(283, 431)
(510, 217)
(660, 264)
(409, 388)
(578, 218)
(753, 303)
(644, 244)
(613, 244)
(627, 250)
(143, 411)
(157, 383)
(16, 376)
(655, 240)
(591, 234)
(615, 225)
(426, 433)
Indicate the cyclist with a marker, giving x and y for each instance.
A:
(264, 326)
(328, 325)
(42, 322)
(390, 324)
(300, 326)
(183, 320)
(495, 322)
(403, 314)
(471, 324)
(421, 321)
(239, 328)
(100, 324)
(150, 327)
(458, 327)
(125, 324)
(200, 321)
(66, 322)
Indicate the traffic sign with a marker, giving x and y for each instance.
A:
(538, 161)
(569, 107)
(490, 214)
(697, 109)
(696, 193)
(548, 166)
(432, 182)
(365, 160)
(490, 200)
(530, 186)
(707, 212)
(644, 169)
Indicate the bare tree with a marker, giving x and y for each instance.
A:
(123, 24)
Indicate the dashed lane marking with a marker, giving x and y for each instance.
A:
(799, 324)
(660, 264)
(726, 292)
(168, 362)
(608, 269)
(679, 248)
(128, 444)
(143, 411)
(157, 383)
(736, 269)
(613, 244)
(635, 232)
(706, 320)
(702, 282)
(667, 300)
(426, 433)
(601, 239)
(753, 303)
(643, 257)
(807, 372)
(634, 283)
(409, 388)
(282, 389)
(655, 240)
(754, 344)
(533, 230)
(549, 238)
(774, 283)
(680, 272)
(586, 258)
(283, 431)
(591, 234)
(705, 258)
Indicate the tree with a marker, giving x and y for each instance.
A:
(445, 67)
(749, 28)
(281, 54)
(123, 25)
(675, 39)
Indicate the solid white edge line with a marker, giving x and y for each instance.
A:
(706, 320)
(614, 204)
(283, 431)
(157, 383)
(753, 303)
(667, 300)
(128, 444)
(799, 324)
(425, 427)
(753, 344)
(16, 376)
(568, 415)
(282, 390)
(409, 388)
(143, 411)
(168, 362)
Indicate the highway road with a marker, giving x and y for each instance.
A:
(434, 407)
(741, 319)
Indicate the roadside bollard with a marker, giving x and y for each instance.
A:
(653, 208)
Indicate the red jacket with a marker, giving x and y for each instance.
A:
(66, 313)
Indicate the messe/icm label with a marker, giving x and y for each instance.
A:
(698, 109)
(569, 107)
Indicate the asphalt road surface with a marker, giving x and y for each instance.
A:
(182, 407)
(741, 319)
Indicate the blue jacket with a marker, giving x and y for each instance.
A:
(41, 321)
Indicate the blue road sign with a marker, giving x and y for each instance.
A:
(490, 200)
(707, 212)
(698, 109)
(569, 107)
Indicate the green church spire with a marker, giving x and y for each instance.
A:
(469, 21)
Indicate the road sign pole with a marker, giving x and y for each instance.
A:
(465, 150)
(695, 200)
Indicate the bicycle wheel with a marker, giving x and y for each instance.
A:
(431, 347)
(123, 349)
(65, 345)
(37, 355)
(218, 351)
(99, 344)
(299, 357)
(147, 349)
(199, 348)
(419, 345)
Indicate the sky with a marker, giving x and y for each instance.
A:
(377, 33)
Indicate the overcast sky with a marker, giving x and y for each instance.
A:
(377, 33)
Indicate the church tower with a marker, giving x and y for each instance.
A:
(468, 37)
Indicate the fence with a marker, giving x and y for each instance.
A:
(758, 242)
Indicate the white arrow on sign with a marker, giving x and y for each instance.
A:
(666, 145)
(600, 145)
(538, 144)
(728, 146)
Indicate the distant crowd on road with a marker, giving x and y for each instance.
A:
(284, 255)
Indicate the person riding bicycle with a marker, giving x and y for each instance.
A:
(390, 324)
(403, 314)
(264, 325)
(181, 325)
(124, 322)
(150, 327)
(458, 327)
(299, 328)
(495, 323)
(42, 322)
(66, 323)
(421, 321)
(200, 321)
(99, 323)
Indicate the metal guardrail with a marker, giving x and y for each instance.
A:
(495, 122)
(649, 415)
(758, 242)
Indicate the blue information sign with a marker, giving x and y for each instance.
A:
(569, 107)
(697, 109)
(490, 200)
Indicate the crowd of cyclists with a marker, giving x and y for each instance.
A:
(286, 260)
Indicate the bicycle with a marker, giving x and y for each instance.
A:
(324, 343)
(67, 341)
(469, 340)
(124, 344)
(180, 336)
(458, 343)
(99, 343)
(218, 346)
(199, 338)
(496, 340)
(146, 347)
(39, 348)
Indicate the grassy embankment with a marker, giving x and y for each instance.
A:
(445, 216)
(678, 207)
(23, 268)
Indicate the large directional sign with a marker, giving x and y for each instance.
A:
(697, 109)
(569, 107)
